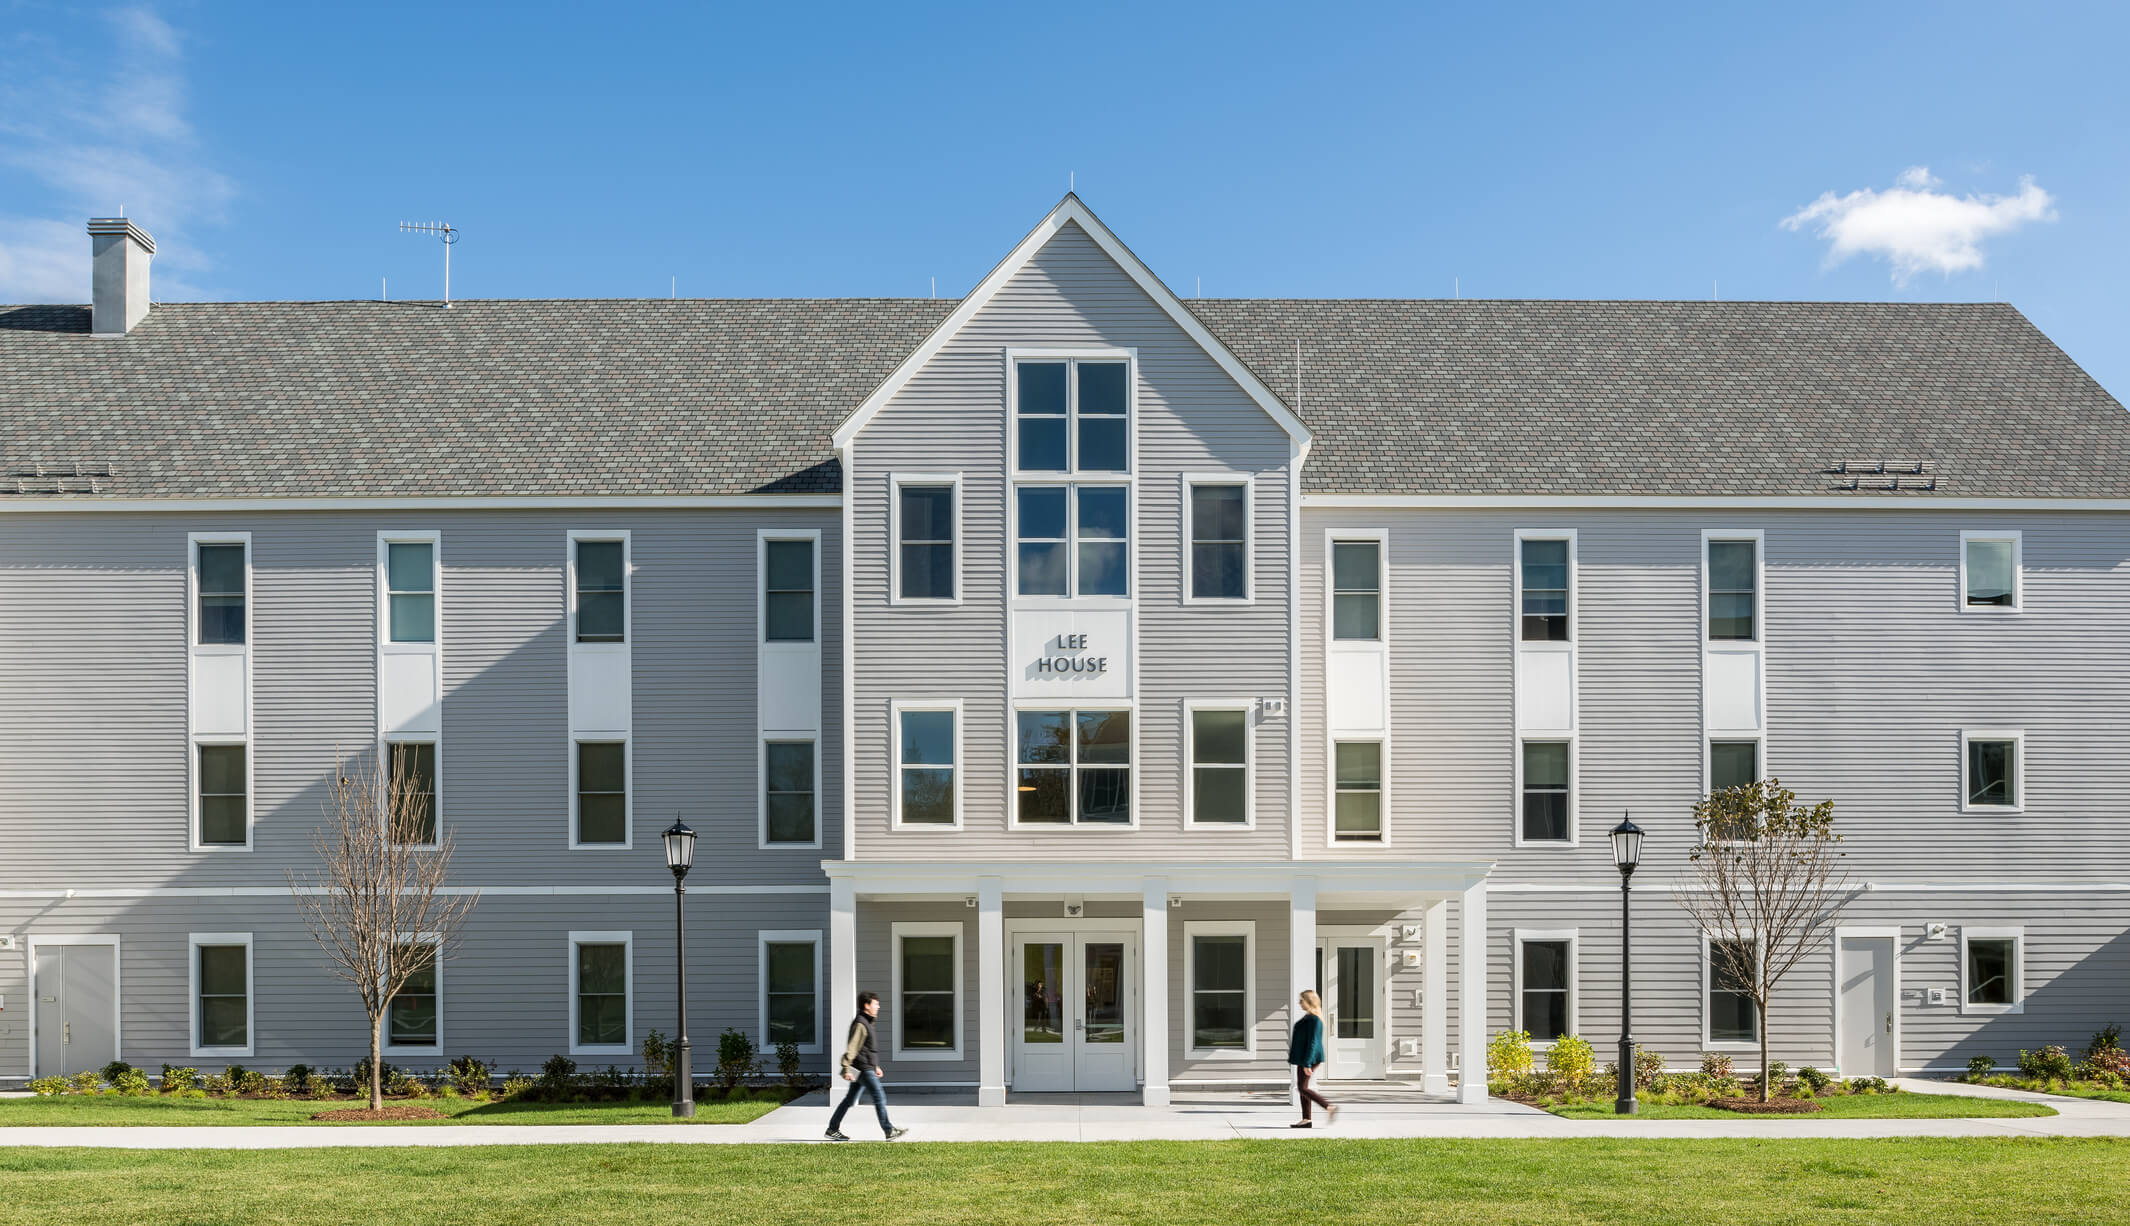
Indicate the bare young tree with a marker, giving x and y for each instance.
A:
(1764, 888)
(377, 904)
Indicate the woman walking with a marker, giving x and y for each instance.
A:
(1305, 1051)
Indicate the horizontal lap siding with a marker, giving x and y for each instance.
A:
(876, 972)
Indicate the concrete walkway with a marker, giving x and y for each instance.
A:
(932, 1117)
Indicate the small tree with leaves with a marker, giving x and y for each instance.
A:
(377, 904)
(1764, 887)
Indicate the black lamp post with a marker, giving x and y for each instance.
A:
(1626, 853)
(680, 857)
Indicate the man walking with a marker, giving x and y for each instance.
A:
(862, 1069)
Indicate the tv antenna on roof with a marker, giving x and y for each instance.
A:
(450, 237)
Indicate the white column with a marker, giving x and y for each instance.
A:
(1154, 995)
(1435, 999)
(1472, 998)
(842, 966)
(990, 992)
(1301, 957)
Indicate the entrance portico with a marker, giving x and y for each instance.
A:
(1105, 976)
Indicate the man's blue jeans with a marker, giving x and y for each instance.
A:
(870, 1083)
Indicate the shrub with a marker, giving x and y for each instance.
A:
(215, 1084)
(128, 1081)
(518, 1085)
(469, 1076)
(736, 1059)
(2108, 1039)
(790, 1067)
(1509, 1053)
(50, 1087)
(243, 1080)
(1648, 1066)
(1716, 1065)
(398, 1083)
(387, 1076)
(177, 1079)
(297, 1080)
(113, 1070)
(1778, 1073)
(556, 1076)
(1572, 1061)
(1979, 1067)
(87, 1083)
(1869, 1085)
(659, 1056)
(2049, 1063)
(1812, 1079)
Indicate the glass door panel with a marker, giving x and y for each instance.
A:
(1103, 981)
(1357, 992)
(1042, 992)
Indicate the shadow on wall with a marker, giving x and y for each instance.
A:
(2068, 1009)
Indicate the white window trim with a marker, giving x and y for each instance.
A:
(192, 776)
(896, 710)
(1071, 598)
(2017, 736)
(1708, 983)
(1013, 764)
(193, 942)
(895, 483)
(1191, 708)
(812, 536)
(1190, 529)
(628, 795)
(761, 792)
(2018, 540)
(1575, 589)
(435, 540)
(1575, 993)
(1575, 790)
(2017, 936)
(787, 936)
(435, 741)
(961, 974)
(1711, 536)
(627, 941)
(628, 586)
(1383, 788)
(193, 647)
(1193, 929)
(193, 541)
(35, 941)
(434, 940)
(1072, 357)
(1380, 538)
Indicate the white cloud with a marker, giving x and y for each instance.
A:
(1917, 228)
(87, 143)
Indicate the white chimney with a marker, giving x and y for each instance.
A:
(121, 274)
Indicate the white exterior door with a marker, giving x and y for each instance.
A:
(76, 1008)
(1350, 981)
(1865, 983)
(1078, 1023)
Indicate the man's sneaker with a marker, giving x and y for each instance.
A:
(834, 1134)
(892, 1133)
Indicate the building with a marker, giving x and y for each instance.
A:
(1082, 668)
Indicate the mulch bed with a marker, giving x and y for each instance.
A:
(1753, 1106)
(396, 1111)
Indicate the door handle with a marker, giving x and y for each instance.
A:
(1079, 1023)
(1889, 1023)
(66, 1032)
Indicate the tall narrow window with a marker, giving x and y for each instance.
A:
(1103, 528)
(411, 1019)
(925, 768)
(1731, 1018)
(1358, 803)
(788, 988)
(1104, 442)
(1045, 562)
(930, 986)
(1992, 970)
(1041, 404)
(789, 774)
(1989, 571)
(925, 548)
(1220, 541)
(1357, 590)
(602, 597)
(1220, 985)
(1545, 591)
(223, 978)
(1543, 969)
(1732, 764)
(1992, 772)
(412, 767)
(602, 994)
(1733, 590)
(224, 813)
(410, 589)
(602, 792)
(1546, 791)
(221, 594)
(788, 591)
(1220, 773)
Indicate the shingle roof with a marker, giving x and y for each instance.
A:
(583, 397)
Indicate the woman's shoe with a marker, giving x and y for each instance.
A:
(1299, 1124)
(1331, 1115)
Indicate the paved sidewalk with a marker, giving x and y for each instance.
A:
(1113, 1118)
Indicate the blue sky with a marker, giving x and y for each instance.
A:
(1580, 151)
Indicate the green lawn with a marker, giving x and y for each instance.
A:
(83, 1111)
(1902, 1106)
(1218, 1183)
(2069, 1089)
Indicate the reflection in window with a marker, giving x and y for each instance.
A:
(1731, 1018)
(1733, 589)
(1220, 783)
(1545, 791)
(1073, 766)
(1220, 542)
(1992, 772)
(788, 971)
(410, 589)
(788, 767)
(925, 550)
(1992, 573)
(1219, 987)
(221, 594)
(1356, 590)
(1991, 971)
(1545, 595)
(1545, 989)
(788, 591)
(926, 761)
(928, 992)
(601, 596)
(1358, 804)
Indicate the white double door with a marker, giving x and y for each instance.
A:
(1077, 1025)
(1350, 981)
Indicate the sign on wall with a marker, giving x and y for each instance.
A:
(1082, 654)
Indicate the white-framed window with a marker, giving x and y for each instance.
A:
(222, 804)
(1992, 970)
(927, 764)
(599, 587)
(1217, 779)
(1218, 567)
(1357, 804)
(411, 586)
(791, 787)
(1073, 766)
(927, 991)
(1992, 572)
(599, 781)
(1992, 770)
(1546, 800)
(411, 780)
(414, 1021)
(1072, 540)
(221, 587)
(1545, 989)
(1733, 762)
(221, 993)
(791, 587)
(790, 989)
(1071, 412)
(1220, 960)
(1728, 1017)
(925, 514)
(602, 999)
(1545, 586)
(1357, 590)
(1731, 577)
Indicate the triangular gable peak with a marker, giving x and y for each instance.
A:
(1072, 211)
